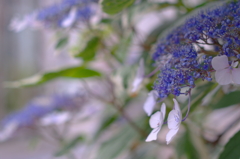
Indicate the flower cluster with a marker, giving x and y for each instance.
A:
(67, 13)
(192, 46)
(42, 106)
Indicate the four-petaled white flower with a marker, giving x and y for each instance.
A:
(174, 121)
(67, 22)
(225, 74)
(150, 102)
(156, 122)
(139, 76)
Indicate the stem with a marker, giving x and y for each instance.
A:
(153, 72)
(189, 105)
(120, 109)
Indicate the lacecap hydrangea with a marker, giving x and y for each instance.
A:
(192, 46)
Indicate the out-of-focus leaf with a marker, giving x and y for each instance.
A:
(61, 43)
(89, 52)
(73, 72)
(228, 100)
(115, 6)
(105, 124)
(186, 148)
(201, 92)
(232, 148)
(121, 50)
(106, 20)
(118, 143)
(70, 146)
(163, 5)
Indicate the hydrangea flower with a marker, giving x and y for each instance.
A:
(225, 74)
(217, 28)
(67, 13)
(174, 121)
(156, 122)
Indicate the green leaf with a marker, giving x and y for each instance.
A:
(115, 6)
(73, 72)
(69, 146)
(231, 149)
(228, 100)
(118, 143)
(105, 124)
(121, 50)
(89, 52)
(185, 147)
(61, 43)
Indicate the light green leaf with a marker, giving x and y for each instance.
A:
(61, 43)
(105, 124)
(185, 147)
(115, 6)
(73, 72)
(121, 50)
(69, 146)
(228, 100)
(89, 52)
(231, 149)
(118, 143)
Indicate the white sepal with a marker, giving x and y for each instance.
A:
(153, 135)
(55, 118)
(8, 130)
(220, 62)
(67, 22)
(174, 121)
(150, 102)
(139, 76)
(156, 122)
(171, 134)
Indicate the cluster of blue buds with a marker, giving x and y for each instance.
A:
(42, 106)
(55, 15)
(192, 46)
(67, 13)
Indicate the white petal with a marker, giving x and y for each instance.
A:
(139, 76)
(55, 118)
(150, 102)
(174, 119)
(153, 135)
(155, 120)
(171, 134)
(220, 62)
(236, 75)
(176, 105)
(8, 130)
(163, 110)
(223, 77)
(234, 64)
(70, 18)
(136, 83)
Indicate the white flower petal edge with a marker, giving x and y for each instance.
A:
(70, 18)
(220, 62)
(156, 122)
(150, 102)
(223, 77)
(139, 76)
(236, 75)
(55, 118)
(171, 134)
(225, 74)
(174, 121)
(8, 130)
